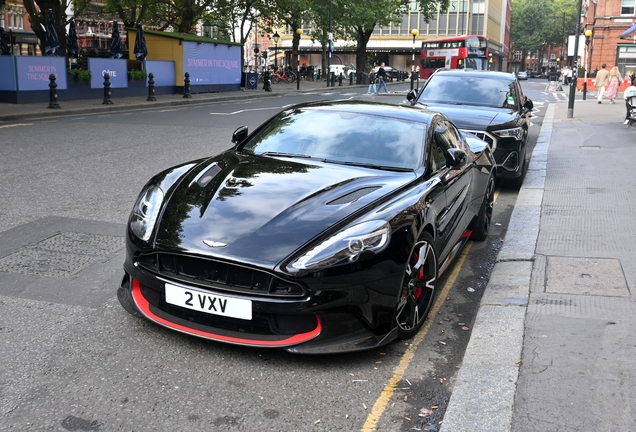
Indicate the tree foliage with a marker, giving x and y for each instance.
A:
(537, 24)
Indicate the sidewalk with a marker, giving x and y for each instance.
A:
(13, 112)
(553, 345)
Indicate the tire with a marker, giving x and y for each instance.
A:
(291, 77)
(482, 223)
(418, 287)
(517, 182)
(275, 79)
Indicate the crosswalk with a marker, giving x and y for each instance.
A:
(564, 96)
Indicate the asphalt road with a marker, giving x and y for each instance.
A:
(73, 359)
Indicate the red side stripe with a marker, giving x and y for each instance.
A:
(144, 307)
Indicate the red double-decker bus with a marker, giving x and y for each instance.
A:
(460, 52)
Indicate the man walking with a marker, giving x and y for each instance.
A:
(601, 81)
(381, 74)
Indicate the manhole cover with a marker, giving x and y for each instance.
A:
(62, 255)
(587, 276)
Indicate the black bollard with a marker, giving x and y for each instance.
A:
(53, 93)
(107, 100)
(186, 87)
(413, 77)
(333, 79)
(267, 83)
(351, 78)
(151, 88)
(340, 79)
(585, 90)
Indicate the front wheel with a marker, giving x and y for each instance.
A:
(418, 287)
(275, 78)
(291, 77)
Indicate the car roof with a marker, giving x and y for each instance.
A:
(509, 76)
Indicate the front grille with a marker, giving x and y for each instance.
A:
(484, 136)
(218, 275)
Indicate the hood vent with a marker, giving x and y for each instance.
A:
(353, 196)
(207, 175)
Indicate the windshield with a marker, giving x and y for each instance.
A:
(342, 137)
(469, 90)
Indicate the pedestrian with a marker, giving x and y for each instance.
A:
(372, 79)
(630, 92)
(382, 77)
(614, 82)
(568, 75)
(601, 80)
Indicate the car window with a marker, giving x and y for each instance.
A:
(470, 90)
(341, 136)
(437, 157)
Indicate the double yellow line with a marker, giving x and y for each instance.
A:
(383, 401)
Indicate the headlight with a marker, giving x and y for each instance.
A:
(516, 133)
(346, 246)
(145, 212)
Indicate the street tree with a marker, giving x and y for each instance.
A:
(359, 18)
(289, 13)
(37, 11)
(130, 12)
(532, 26)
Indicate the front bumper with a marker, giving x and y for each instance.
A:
(346, 319)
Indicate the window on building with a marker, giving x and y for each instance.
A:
(16, 18)
(552, 56)
(627, 7)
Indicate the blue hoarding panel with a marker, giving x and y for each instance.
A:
(162, 71)
(117, 69)
(8, 80)
(33, 72)
(208, 63)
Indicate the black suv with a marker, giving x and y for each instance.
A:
(488, 104)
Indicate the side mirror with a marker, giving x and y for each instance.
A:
(412, 97)
(456, 158)
(527, 103)
(239, 135)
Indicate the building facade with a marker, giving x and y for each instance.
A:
(607, 19)
(395, 46)
(21, 39)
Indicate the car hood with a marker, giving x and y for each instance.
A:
(475, 117)
(261, 209)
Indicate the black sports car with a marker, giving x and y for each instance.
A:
(488, 104)
(324, 230)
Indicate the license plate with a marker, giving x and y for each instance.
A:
(209, 303)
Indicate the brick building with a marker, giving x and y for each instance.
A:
(607, 19)
(21, 39)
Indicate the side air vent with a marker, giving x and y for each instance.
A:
(207, 176)
(353, 196)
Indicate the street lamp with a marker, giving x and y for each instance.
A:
(588, 35)
(207, 29)
(299, 32)
(276, 38)
(414, 33)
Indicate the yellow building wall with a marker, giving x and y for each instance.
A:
(161, 48)
(493, 23)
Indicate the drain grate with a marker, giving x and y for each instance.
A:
(62, 255)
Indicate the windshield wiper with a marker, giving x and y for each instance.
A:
(374, 166)
(289, 155)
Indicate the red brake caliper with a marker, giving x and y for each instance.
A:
(420, 276)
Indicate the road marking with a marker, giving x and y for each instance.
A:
(380, 405)
(243, 111)
(15, 125)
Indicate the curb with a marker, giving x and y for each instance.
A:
(484, 393)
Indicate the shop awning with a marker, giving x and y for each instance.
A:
(628, 32)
